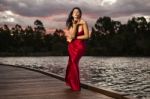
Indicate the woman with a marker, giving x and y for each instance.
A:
(76, 34)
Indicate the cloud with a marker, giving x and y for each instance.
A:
(42, 8)
(32, 7)
(53, 13)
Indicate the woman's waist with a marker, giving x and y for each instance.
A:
(78, 41)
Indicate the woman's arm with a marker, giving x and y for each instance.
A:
(71, 33)
(86, 31)
(73, 30)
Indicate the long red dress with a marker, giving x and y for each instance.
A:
(76, 50)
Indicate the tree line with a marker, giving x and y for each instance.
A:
(108, 38)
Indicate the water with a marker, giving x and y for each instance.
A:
(130, 76)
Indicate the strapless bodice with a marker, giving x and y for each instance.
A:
(80, 33)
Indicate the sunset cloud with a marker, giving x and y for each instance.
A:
(53, 13)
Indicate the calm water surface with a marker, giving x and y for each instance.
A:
(130, 76)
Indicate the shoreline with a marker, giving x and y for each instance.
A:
(47, 54)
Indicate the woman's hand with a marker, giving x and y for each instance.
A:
(78, 22)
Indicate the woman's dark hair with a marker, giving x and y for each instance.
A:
(70, 18)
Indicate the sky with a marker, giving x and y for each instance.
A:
(54, 13)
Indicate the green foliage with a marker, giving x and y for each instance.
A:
(32, 40)
(113, 38)
(109, 37)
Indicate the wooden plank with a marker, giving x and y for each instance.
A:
(18, 83)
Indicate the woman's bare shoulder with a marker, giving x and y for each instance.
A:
(82, 21)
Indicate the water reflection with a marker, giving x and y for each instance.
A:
(131, 76)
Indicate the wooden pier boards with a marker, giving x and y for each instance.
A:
(19, 83)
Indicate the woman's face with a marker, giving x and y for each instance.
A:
(76, 13)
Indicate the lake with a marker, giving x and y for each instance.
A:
(128, 75)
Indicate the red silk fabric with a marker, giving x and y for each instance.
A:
(76, 49)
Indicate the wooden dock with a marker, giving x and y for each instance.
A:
(19, 83)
